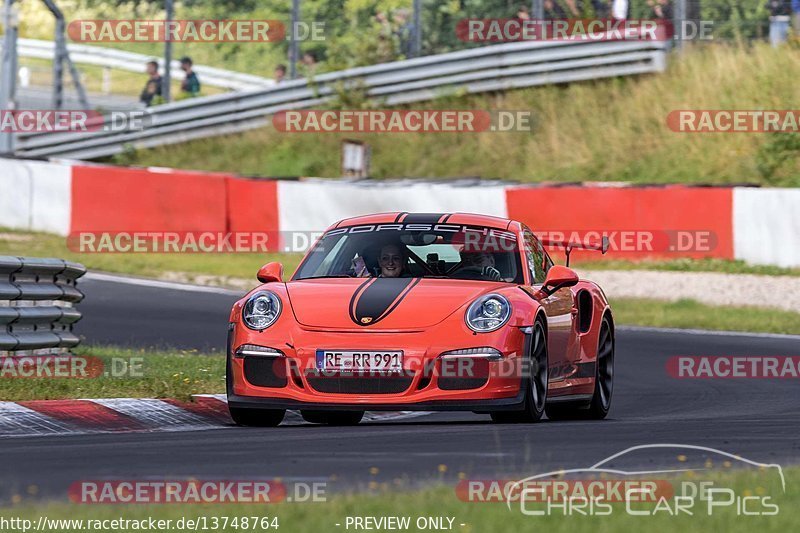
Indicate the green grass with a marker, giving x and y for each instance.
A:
(183, 267)
(608, 130)
(149, 374)
(441, 501)
(690, 265)
(689, 314)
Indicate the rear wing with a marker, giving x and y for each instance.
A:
(569, 246)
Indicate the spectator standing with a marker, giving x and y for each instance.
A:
(152, 89)
(385, 37)
(779, 16)
(309, 63)
(601, 9)
(280, 73)
(660, 9)
(190, 86)
(405, 32)
(553, 10)
(796, 16)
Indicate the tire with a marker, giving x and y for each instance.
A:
(257, 417)
(535, 383)
(598, 407)
(333, 418)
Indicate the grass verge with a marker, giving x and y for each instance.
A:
(761, 487)
(725, 266)
(127, 373)
(690, 314)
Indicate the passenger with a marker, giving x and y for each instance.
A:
(479, 264)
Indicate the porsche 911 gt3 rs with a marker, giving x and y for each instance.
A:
(405, 311)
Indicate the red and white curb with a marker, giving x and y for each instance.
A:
(118, 415)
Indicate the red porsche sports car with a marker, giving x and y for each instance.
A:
(416, 311)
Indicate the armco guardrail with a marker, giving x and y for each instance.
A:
(36, 304)
(489, 68)
(133, 62)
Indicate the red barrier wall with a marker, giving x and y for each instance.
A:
(129, 199)
(672, 216)
(252, 206)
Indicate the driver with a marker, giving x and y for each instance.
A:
(392, 261)
(482, 263)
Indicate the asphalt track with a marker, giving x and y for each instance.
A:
(757, 419)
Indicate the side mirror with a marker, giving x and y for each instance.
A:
(270, 272)
(559, 277)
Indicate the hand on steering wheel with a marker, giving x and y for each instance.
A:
(492, 273)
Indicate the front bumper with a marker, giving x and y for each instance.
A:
(502, 404)
(424, 387)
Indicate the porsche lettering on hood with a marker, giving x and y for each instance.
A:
(380, 303)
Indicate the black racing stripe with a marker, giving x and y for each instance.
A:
(400, 216)
(422, 218)
(379, 297)
(398, 300)
(356, 295)
(446, 218)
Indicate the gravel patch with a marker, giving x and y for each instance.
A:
(712, 288)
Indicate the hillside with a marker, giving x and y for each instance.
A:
(611, 130)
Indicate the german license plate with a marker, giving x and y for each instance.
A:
(348, 360)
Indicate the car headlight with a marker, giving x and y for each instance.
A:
(261, 310)
(488, 313)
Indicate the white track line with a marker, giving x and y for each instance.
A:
(159, 284)
(708, 332)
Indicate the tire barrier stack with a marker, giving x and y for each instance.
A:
(37, 298)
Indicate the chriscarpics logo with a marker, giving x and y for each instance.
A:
(688, 480)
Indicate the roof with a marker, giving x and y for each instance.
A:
(403, 217)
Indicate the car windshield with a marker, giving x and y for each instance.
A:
(401, 250)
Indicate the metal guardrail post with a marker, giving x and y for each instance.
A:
(166, 85)
(8, 72)
(36, 304)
